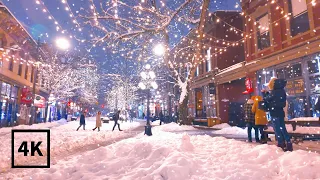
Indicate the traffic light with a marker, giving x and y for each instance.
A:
(102, 105)
(69, 104)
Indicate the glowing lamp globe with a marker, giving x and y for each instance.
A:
(142, 86)
(159, 50)
(143, 75)
(62, 43)
(154, 85)
(152, 75)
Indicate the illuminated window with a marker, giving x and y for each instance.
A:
(300, 20)
(263, 35)
(208, 65)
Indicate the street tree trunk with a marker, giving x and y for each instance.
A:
(183, 108)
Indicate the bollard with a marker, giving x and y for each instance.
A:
(147, 130)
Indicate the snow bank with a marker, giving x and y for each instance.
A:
(179, 156)
(64, 138)
(174, 127)
(46, 125)
(300, 129)
(221, 126)
(232, 130)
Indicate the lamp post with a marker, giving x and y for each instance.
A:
(148, 83)
(62, 44)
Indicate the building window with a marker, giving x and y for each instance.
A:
(290, 72)
(300, 19)
(208, 64)
(197, 71)
(20, 69)
(26, 72)
(263, 35)
(32, 73)
(11, 64)
(314, 65)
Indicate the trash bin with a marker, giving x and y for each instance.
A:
(147, 130)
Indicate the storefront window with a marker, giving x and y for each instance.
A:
(313, 65)
(289, 72)
(263, 35)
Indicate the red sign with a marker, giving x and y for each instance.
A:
(249, 88)
(26, 96)
(40, 102)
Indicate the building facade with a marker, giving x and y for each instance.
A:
(282, 40)
(17, 70)
(214, 94)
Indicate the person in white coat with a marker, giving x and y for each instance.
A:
(98, 121)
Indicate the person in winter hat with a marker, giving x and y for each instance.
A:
(82, 121)
(276, 100)
(98, 121)
(260, 117)
(116, 117)
(249, 118)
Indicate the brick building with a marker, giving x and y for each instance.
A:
(282, 40)
(17, 53)
(212, 91)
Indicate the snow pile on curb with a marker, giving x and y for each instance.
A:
(300, 129)
(46, 125)
(232, 130)
(174, 127)
(221, 126)
(64, 139)
(179, 156)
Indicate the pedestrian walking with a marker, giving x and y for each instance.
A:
(275, 100)
(249, 118)
(98, 121)
(260, 117)
(116, 117)
(82, 121)
(161, 117)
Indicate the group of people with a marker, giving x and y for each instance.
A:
(273, 101)
(115, 118)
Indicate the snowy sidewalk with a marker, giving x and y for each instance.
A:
(65, 140)
(174, 156)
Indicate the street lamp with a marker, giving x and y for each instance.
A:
(159, 50)
(148, 82)
(62, 43)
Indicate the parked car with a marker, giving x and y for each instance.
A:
(107, 118)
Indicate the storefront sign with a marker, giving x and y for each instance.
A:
(26, 96)
(295, 87)
(249, 88)
(40, 102)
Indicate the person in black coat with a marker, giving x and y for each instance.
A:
(82, 121)
(276, 100)
(116, 117)
(161, 117)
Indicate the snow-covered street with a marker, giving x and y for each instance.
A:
(170, 155)
(65, 140)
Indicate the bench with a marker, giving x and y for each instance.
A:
(300, 136)
(303, 122)
(200, 122)
(206, 122)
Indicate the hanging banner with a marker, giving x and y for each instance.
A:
(26, 96)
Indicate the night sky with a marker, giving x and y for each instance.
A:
(39, 17)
